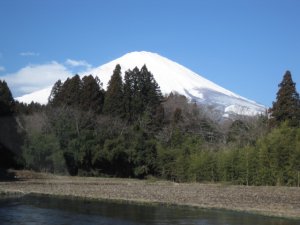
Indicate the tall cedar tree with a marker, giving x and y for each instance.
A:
(53, 99)
(150, 90)
(86, 94)
(132, 96)
(113, 103)
(128, 92)
(287, 104)
(141, 93)
(66, 94)
(71, 91)
(92, 97)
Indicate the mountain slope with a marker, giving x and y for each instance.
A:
(172, 77)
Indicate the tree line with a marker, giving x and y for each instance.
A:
(132, 130)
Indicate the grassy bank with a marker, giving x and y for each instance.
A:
(271, 201)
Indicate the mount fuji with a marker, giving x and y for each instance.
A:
(171, 77)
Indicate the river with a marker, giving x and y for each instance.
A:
(41, 210)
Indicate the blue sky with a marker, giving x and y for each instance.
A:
(242, 45)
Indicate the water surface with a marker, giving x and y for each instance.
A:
(37, 210)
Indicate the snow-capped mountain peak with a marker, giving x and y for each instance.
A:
(171, 77)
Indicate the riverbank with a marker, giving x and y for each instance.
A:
(271, 201)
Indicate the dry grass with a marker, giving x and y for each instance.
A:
(272, 201)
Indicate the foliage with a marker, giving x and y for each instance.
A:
(42, 153)
(287, 104)
(83, 94)
(113, 104)
(10, 136)
(130, 130)
(141, 93)
(6, 100)
(279, 155)
(92, 94)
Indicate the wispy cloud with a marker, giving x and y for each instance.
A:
(29, 54)
(35, 77)
(77, 63)
(2, 68)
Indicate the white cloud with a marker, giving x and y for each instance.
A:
(35, 77)
(76, 63)
(2, 68)
(29, 54)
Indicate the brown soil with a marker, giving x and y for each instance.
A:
(272, 201)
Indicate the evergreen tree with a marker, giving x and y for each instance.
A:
(287, 104)
(132, 100)
(141, 93)
(92, 97)
(6, 100)
(66, 94)
(10, 139)
(42, 153)
(128, 92)
(71, 91)
(150, 90)
(113, 103)
(54, 98)
(143, 154)
(22, 108)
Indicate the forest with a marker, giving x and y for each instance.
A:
(131, 130)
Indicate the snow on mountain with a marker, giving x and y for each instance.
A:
(171, 77)
(40, 96)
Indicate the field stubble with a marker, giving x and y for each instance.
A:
(271, 201)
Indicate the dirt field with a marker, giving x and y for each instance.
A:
(272, 201)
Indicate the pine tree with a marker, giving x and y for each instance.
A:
(287, 104)
(113, 103)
